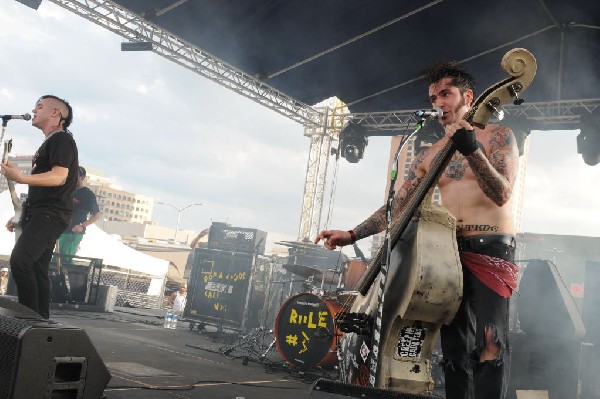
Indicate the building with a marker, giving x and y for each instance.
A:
(23, 162)
(119, 205)
(115, 204)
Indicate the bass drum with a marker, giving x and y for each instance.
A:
(353, 272)
(305, 333)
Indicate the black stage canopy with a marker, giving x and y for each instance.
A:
(369, 53)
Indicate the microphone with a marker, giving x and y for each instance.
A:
(9, 117)
(435, 113)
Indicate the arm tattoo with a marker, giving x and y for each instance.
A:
(377, 221)
(496, 175)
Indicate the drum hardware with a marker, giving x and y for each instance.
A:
(249, 347)
(327, 277)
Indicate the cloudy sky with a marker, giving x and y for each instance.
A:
(160, 130)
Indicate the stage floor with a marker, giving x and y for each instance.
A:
(149, 361)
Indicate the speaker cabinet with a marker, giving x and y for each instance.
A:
(236, 239)
(45, 359)
(591, 302)
(218, 287)
(544, 364)
(544, 304)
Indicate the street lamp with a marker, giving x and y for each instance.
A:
(179, 210)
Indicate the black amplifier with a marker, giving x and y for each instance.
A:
(236, 239)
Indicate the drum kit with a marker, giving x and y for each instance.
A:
(306, 332)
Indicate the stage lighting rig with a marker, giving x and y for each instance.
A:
(353, 141)
(35, 4)
(588, 140)
(137, 46)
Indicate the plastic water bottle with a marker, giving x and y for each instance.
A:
(168, 319)
(174, 318)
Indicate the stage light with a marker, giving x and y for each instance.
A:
(136, 46)
(588, 140)
(353, 141)
(31, 3)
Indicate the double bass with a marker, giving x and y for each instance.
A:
(402, 304)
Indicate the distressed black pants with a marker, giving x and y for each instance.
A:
(30, 260)
(462, 341)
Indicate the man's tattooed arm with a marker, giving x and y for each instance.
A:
(377, 221)
(497, 174)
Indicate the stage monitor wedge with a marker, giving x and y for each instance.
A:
(544, 304)
(44, 359)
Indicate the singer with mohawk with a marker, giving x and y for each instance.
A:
(476, 189)
(49, 206)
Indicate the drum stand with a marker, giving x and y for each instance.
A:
(249, 347)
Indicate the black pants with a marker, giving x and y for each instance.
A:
(463, 340)
(30, 260)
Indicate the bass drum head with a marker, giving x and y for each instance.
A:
(305, 333)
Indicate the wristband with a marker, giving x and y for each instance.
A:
(352, 236)
(465, 141)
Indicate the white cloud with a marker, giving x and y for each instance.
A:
(147, 88)
(6, 95)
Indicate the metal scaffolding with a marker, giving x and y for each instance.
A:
(136, 29)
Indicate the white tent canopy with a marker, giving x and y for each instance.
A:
(95, 244)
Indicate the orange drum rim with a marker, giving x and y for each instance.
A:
(304, 340)
(352, 274)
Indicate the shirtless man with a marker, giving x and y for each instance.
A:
(476, 189)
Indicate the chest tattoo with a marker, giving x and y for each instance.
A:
(456, 168)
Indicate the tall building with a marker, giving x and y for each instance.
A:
(23, 162)
(115, 204)
(118, 205)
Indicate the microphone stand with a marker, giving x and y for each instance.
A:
(387, 255)
(4, 124)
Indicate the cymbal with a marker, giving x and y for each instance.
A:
(310, 271)
(301, 244)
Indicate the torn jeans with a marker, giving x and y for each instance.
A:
(463, 340)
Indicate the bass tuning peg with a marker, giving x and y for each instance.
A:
(514, 90)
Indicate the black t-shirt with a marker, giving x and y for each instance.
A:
(59, 149)
(84, 203)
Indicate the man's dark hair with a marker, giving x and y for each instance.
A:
(67, 119)
(450, 69)
(82, 171)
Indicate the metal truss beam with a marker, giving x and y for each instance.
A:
(135, 29)
(316, 170)
(314, 186)
(558, 114)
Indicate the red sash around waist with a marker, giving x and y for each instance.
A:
(497, 274)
